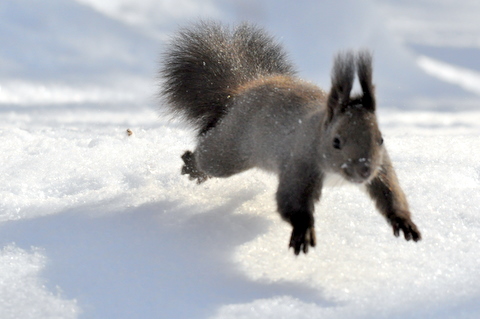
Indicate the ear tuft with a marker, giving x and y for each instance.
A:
(364, 69)
(343, 74)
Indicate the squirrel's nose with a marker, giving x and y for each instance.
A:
(364, 170)
(358, 171)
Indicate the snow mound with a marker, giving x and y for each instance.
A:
(22, 292)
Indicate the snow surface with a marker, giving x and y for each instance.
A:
(95, 223)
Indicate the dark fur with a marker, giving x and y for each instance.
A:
(240, 92)
(208, 61)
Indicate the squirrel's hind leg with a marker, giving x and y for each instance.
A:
(205, 163)
(219, 155)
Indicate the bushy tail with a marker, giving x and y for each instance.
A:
(205, 63)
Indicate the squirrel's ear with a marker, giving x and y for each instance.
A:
(364, 69)
(343, 74)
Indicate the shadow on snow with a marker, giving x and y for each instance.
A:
(157, 260)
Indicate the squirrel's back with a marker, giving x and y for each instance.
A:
(207, 62)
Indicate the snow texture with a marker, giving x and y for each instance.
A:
(96, 223)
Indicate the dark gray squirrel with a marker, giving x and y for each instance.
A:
(240, 92)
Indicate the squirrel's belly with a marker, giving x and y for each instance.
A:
(333, 180)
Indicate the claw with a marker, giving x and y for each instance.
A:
(407, 235)
(301, 240)
(409, 229)
(396, 230)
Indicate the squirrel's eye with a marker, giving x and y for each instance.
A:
(336, 143)
(380, 142)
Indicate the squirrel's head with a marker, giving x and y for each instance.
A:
(353, 144)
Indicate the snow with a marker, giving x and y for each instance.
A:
(95, 223)
(20, 286)
(37, 93)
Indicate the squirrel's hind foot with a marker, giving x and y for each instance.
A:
(190, 168)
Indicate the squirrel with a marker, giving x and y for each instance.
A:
(238, 89)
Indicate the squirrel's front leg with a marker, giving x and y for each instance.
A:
(391, 201)
(299, 187)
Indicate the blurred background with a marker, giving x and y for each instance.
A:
(426, 52)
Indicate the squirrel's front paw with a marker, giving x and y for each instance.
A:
(302, 238)
(405, 224)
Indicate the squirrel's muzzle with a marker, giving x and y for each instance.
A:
(358, 171)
